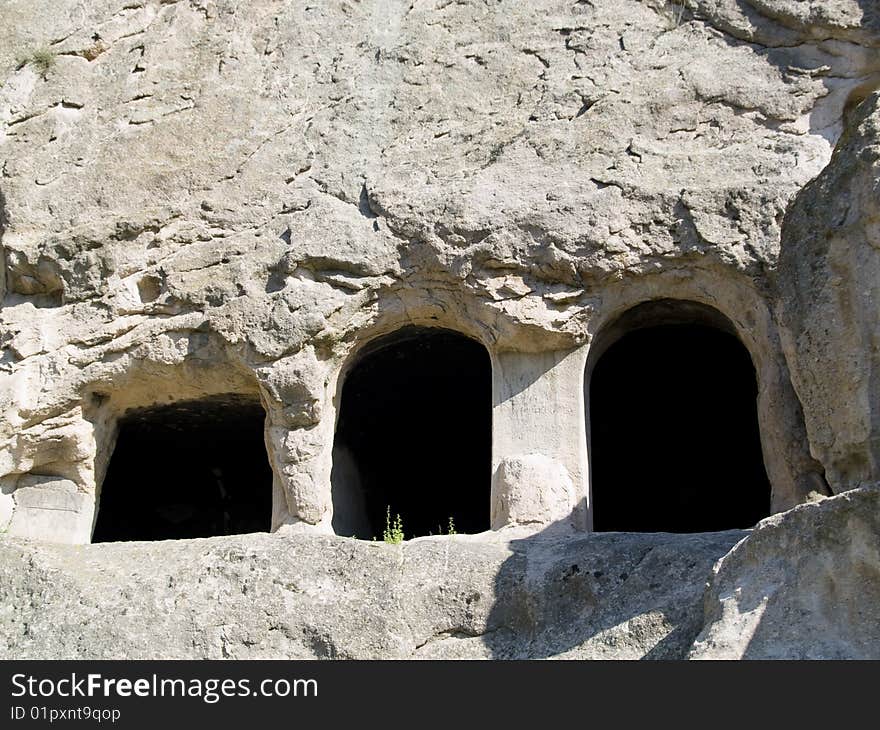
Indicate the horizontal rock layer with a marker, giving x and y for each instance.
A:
(803, 584)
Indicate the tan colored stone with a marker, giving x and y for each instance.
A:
(531, 489)
(53, 510)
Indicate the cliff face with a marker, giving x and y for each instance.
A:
(802, 585)
(202, 199)
(304, 596)
(829, 289)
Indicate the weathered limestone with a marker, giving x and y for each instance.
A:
(532, 489)
(829, 283)
(539, 439)
(203, 199)
(804, 585)
(48, 508)
(310, 596)
(235, 202)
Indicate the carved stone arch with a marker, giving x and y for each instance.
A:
(413, 434)
(673, 428)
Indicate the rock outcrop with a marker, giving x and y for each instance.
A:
(829, 278)
(198, 200)
(201, 200)
(302, 596)
(803, 584)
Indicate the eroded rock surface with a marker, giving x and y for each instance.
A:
(308, 596)
(201, 199)
(804, 585)
(829, 277)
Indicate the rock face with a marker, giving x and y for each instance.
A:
(804, 584)
(202, 200)
(829, 274)
(303, 596)
(197, 200)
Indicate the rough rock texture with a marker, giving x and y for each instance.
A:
(829, 276)
(200, 198)
(208, 197)
(804, 585)
(531, 488)
(309, 596)
(38, 500)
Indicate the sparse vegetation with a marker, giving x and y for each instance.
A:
(393, 532)
(450, 528)
(42, 59)
(673, 14)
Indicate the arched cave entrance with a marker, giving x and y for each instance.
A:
(674, 437)
(188, 469)
(414, 436)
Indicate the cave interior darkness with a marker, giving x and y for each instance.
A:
(674, 443)
(187, 469)
(674, 437)
(415, 421)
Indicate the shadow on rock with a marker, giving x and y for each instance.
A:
(602, 595)
(805, 585)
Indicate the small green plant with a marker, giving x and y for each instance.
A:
(393, 532)
(42, 59)
(450, 529)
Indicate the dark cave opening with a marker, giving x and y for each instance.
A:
(675, 442)
(414, 436)
(188, 469)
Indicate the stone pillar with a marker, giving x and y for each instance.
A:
(299, 440)
(539, 444)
